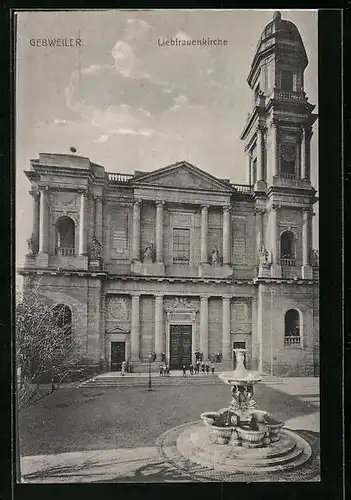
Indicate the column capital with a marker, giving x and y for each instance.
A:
(135, 295)
(226, 208)
(276, 206)
(204, 207)
(261, 127)
(204, 297)
(83, 191)
(34, 193)
(159, 203)
(274, 122)
(226, 297)
(137, 201)
(158, 295)
(259, 210)
(44, 189)
(99, 198)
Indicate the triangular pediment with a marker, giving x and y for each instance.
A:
(117, 329)
(183, 175)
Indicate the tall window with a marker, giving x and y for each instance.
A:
(292, 328)
(287, 81)
(65, 236)
(287, 248)
(63, 319)
(181, 246)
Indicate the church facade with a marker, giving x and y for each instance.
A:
(176, 260)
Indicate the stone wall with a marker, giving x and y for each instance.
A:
(291, 360)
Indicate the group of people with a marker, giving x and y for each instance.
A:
(197, 367)
(164, 370)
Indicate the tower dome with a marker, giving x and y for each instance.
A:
(282, 38)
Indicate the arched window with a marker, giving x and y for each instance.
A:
(63, 320)
(65, 236)
(292, 328)
(287, 248)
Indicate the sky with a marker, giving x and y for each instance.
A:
(130, 104)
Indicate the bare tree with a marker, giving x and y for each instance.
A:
(46, 353)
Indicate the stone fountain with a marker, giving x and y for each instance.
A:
(240, 441)
(242, 423)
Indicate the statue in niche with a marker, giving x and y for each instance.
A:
(264, 256)
(31, 245)
(148, 253)
(315, 258)
(215, 257)
(95, 250)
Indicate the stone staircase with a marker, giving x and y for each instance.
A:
(115, 379)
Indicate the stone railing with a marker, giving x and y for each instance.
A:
(243, 188)
(288, 176)
(119, 178)
(291, 96)
(290, 180)
(287, 262)
(292, 340)
(65, 252)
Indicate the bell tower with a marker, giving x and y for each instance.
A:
(277, 139)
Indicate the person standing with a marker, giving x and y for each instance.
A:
(184, 370)
(212, 367)
(207, 368)
(197, 366)
(123, 368)
(161, 370)
(168, 370)
(191, 369)
(203, 367)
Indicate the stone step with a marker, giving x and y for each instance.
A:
(136, 381)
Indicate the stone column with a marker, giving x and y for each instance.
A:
(82, 223)
(226, 235)
(276, 269)
(98, 219)
(249, 166)
(303, 153)
(305, 224)
(274, 235)
(259, 154)
(159, 327)
(274, 147)
(159, 231)
(35, 222)
(136, 230)
(226, 350)
(306, 270)
(44, 221)
(135, 330)
(204, 326)
(204, 233)
(308, 137)
(259, 229)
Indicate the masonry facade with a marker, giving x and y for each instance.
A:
(176, 260)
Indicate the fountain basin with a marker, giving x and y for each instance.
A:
(273, 425)
(250, 438)
(220, 424)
